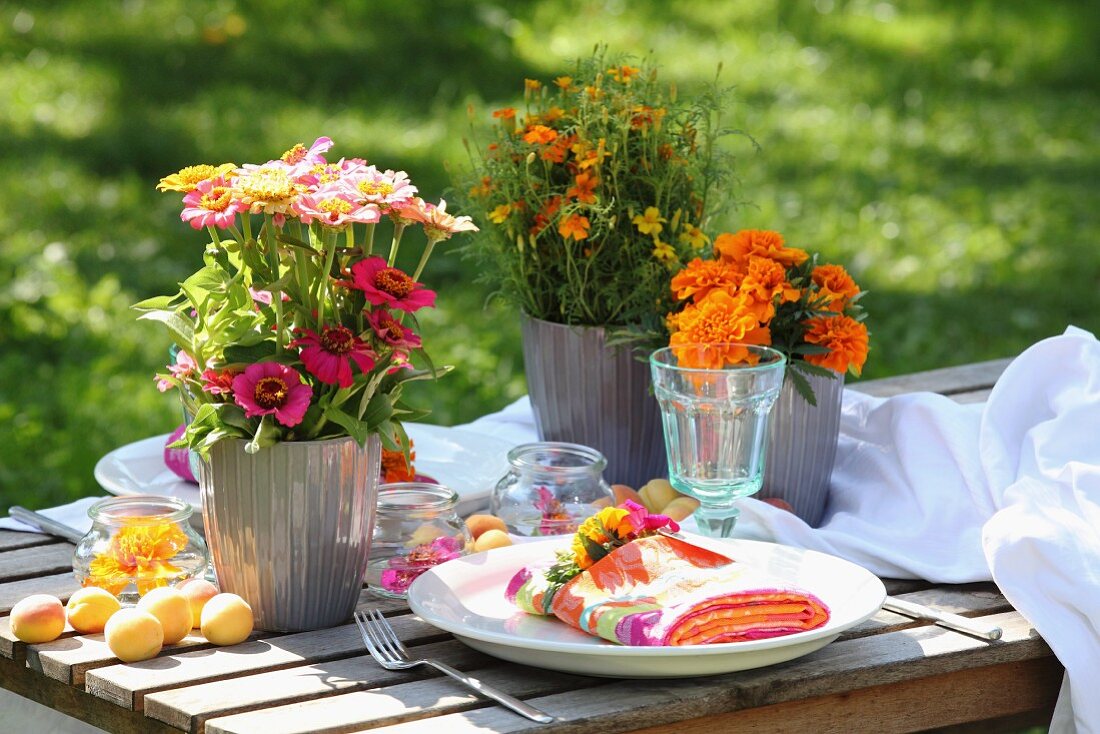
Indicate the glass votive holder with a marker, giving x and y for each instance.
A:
(138, 543)
(416, 527)
(551, 488)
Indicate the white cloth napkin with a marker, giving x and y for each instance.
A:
(74, 514)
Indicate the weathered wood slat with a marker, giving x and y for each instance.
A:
(946, 381)
(40, 560)
(70, 658)
(971, 600)
(61, 585)
(127, 685)
(189, 708)
(13, 539)
(395, 704)
(838, 668)
(1025, 687)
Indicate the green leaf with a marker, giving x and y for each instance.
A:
(295, 242)
(378, 409)
(181, 330)
(156, 303)
(241, 354)
(802, 385)
(357, 429)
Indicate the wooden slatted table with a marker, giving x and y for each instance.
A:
(889, 674)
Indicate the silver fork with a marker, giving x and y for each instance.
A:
(388, 651)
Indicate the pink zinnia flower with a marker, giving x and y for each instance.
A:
(388, 189)
(267, 388)
(328, 356)
(312, 155)
(438, 224)
(390, 287)
(181, 370)
(392, 331)
(335, 210)
(211, 204)
(403, 570)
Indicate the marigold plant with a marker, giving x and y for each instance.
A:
(757, 290)
(298, 327)
(594, 190)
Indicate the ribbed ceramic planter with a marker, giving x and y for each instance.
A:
(290, 527)
(583, 391)
(802, 447)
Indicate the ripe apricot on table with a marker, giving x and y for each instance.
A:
(656, 494)
(680, 508)
(492, 539)
(198, 592)
(134, 634)
(38, 618)
(624, 493)
(89, 609)
(226, 620)
(478, 524)
(172, 609)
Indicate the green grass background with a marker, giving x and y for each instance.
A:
(947, 152)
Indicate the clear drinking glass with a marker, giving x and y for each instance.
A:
(716, 423)
(551, 488)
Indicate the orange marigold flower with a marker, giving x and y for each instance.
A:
(760, 242)
(505, 113)
(765, 280)
(551, 207)
(623, 73)
(700, 277)
(584, 188)
(846, 339)
(564, 82)
(574, 226)
(532, 85)
(483, 188)
(720, 318)
(553, 114)
(540, 135)
(557, 151)
(835, 286)
(138, 554)
(500, 213)
(395, 468)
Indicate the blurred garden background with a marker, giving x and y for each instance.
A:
(948, 153)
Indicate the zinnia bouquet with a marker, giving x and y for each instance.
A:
(757, 290)
(597, 189)
(295, 328)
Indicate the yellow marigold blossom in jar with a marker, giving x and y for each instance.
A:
(140, 552)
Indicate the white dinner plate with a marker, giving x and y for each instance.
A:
(468, 462)
(466, 598)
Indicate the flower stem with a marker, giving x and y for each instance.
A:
(268, 235)
(324, 286)
(424, 258)
(398, 230)
(370, 239)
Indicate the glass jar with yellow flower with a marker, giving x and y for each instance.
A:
(594, 190)
(138, 543)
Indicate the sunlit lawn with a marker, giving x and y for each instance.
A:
(948, 153)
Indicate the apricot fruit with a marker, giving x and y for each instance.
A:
(172, 609)
(226, 620)
(679, 508)
(90, 608)
(492, 538)
(134, 634)
(656, 494)
(38, 618)
(624, 493)
(478, 524)
(198, 592)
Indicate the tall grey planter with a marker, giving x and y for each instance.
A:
(802, 443)
(584, 391)
(290, 527)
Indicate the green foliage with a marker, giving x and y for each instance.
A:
(947, 152)
(591, 194)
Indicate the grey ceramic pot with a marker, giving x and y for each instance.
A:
(289, 528)
(802, 447)
(584, 391)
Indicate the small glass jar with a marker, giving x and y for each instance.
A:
(416, 527)
(137, 543)
(551, 488)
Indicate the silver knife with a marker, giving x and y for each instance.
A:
(944, 619)
(45, 524)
